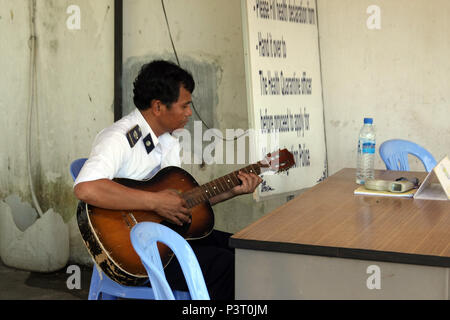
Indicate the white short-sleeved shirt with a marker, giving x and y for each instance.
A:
(112, 155)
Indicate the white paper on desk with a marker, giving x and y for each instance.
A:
(436, 185)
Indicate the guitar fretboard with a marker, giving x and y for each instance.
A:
(218, 186)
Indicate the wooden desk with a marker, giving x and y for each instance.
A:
(328, 243)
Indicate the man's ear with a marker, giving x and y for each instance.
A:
(155, 106)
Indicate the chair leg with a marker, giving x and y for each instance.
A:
(94, 289)
(93, 294)
(107, 296)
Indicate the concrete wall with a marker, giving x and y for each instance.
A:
(74, 98)
(398, 74)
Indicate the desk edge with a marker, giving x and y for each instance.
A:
(346, 253)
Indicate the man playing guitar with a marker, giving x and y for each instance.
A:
(137, 147)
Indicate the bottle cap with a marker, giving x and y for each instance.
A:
(368, 120)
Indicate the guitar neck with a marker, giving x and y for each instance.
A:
(218, 186)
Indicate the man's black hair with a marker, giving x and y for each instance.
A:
(160, 80)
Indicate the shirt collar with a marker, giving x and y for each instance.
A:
(166, 139)
(145, 127)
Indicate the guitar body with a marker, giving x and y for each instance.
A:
(106, 233)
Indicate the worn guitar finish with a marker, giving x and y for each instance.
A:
(106, 233)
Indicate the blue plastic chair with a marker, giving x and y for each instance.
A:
(102, 287)
(144, 237)
(395, 155)
(75, 167)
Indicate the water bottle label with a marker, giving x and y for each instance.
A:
(368, 147)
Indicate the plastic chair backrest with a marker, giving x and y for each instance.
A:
(76, 166)
(144, 237)
(103, 287)
(395, 155)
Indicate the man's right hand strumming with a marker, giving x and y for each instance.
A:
(171, 206)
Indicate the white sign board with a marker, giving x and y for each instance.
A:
(284, 89)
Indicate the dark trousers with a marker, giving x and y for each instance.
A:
(216, 260)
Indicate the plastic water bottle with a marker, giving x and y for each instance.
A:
(366, 152)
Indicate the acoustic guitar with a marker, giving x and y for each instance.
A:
(106, 233)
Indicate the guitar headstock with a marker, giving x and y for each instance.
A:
(280, 160)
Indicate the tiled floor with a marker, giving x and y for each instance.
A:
(25, 285)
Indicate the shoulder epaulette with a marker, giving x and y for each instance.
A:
(148, 142)
(133, 135)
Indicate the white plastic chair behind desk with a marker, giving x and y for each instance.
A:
(144, 237)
